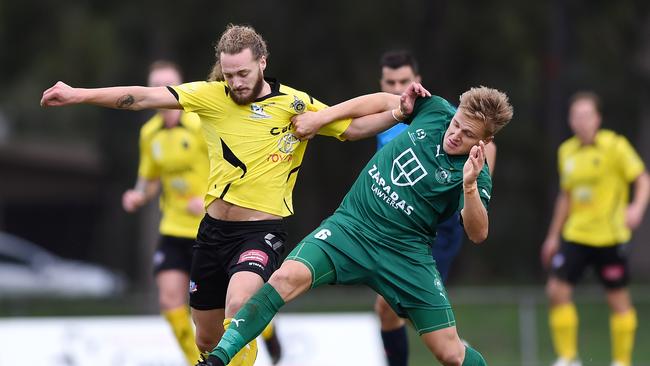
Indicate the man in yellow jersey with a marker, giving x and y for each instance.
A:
(254, 161)
(173, 155)
(594, 218)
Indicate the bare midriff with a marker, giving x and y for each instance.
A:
(222, 210)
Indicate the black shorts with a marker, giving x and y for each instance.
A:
(224, 248)
(610, 263)
(173, 253)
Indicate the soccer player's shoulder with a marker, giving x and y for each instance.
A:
(607, 137)
(204, 87)
(287, 90)
(191, 121)
(569, 145)
(434, 104)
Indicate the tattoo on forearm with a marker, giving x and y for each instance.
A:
(125, 101)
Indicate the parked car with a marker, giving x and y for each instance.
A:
(26, 269)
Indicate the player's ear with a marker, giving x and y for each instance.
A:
(262, 63)
(417, 79)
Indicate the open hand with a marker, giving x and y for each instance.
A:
(407, 99)
(474, 164)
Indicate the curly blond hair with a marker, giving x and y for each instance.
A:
(235, 39)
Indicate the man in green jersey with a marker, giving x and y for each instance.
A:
(380, 234)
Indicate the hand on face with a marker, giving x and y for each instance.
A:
(58, 95)
(474, 164)
(407, 99)
(306, 125)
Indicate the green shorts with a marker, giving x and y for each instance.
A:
(338, 253)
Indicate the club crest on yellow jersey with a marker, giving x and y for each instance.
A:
(288, 143)
(258, 111)
(298, 105)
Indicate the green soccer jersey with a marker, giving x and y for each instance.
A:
(411, 184)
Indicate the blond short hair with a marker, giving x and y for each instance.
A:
(489, 106)
(235, 39)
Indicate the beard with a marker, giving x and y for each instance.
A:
(257, 88)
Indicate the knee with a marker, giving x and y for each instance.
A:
(291, 277)
(205, 343)
(450, 356)
(169, 300)
(558, 292)
(446, 346)
(287, 281)
(236, 301)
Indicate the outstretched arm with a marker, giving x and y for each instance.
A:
(371, 113)
(475, 218)
(119, 97)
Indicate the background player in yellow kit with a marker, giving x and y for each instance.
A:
(594, 218)
(174, 157)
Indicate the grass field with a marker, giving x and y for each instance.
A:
(508, 325)
(494, 330)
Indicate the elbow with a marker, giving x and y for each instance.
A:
(479, 237)
(353, 134)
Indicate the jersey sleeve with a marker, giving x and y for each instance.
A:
(419, 103)
(484, 184)
(147, 168)
(333, 129)
(434, 107)
(200, 96)
(630, 162)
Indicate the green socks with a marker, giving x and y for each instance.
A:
(473, 358)
(249, 322)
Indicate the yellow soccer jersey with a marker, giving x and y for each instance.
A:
(598, 178)
(177, 156)
(254, 156)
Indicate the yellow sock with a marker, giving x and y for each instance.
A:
(563, 320)
(247, 355)
(267, 333)
(623, 328)
(179, 320)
